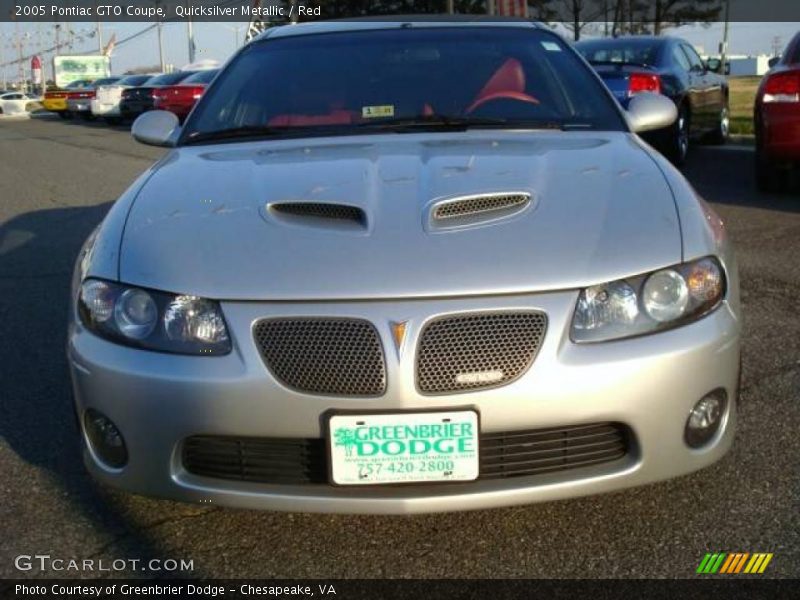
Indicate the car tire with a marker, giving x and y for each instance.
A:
(62, 114)
(678, 145)
(721, 132)
(112, 120)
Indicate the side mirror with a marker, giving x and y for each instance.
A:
(773, 61)
(648, 111)
(156, 128)
(714, 65)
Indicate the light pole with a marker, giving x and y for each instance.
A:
(723, 51)
(21, 70)
(235, 31)
(3, 56)
(190, 34)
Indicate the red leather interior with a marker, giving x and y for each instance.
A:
(507, 82)
(335, 117)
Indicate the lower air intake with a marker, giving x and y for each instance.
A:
(294, 461)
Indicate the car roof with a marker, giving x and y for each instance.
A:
(644, 39)
(393, 22)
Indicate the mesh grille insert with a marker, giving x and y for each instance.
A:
(321, 210)
(478, 205)
(295, 461)
(341, 357)
(477, 351)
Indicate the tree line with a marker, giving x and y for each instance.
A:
(611, 17)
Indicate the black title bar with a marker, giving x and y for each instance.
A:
(284, 11)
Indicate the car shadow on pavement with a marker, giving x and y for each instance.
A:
(37, 420)
(726, 174)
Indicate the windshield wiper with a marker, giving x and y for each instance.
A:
(427, 122)
(455, 123)
(397, 125)
(245, 131)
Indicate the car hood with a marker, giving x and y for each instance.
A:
(601, 209)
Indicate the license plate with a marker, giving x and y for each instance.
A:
(374, 449)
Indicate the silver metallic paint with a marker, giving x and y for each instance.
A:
(608, 207)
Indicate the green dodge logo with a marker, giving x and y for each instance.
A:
(412, 440)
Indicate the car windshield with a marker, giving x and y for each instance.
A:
(400, 80)
(169, 78)
(202, 76)
(795, 59)
(81, 83)
(106, 81)
(619, 51)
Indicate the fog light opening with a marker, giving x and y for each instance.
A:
(105, 438)
(705, 418)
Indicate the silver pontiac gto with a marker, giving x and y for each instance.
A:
(401, 267)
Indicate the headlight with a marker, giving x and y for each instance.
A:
(647, 303)
(153, 320)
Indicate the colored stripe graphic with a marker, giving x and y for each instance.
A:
(758, 563)
(741, 562)
(734, 562)
(711, 562)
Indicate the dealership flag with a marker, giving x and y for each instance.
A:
(512, 8)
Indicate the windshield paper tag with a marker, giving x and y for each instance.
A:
(551, 47)
(371, 112)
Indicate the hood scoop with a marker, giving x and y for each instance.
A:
(477, 208)
(319, 214)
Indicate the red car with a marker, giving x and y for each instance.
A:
(777, 120)
(181, 97)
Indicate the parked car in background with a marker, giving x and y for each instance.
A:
(14, 103)
(55, 100)
(139, 99)
(668, 66)
(79, 102)
(105, 103)
(179, 99)
(777, 120)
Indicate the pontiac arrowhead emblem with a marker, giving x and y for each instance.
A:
(398, 334)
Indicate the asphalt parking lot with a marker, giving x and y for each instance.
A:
(57, 180)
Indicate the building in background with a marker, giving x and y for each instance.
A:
(742, 65)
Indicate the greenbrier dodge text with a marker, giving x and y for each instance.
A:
(394, 440)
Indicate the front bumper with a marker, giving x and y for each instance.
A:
(105, 109)
(780, 131)
(648, 383)
(82, 106)
(132, 108)
(55, 104)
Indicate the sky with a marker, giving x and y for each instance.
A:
(218, 40)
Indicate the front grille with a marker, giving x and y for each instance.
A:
(341, 357)
(321, 210)
(264, 460)
(295, 461)
(477, 351)
(477, 205)
(520, 453)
